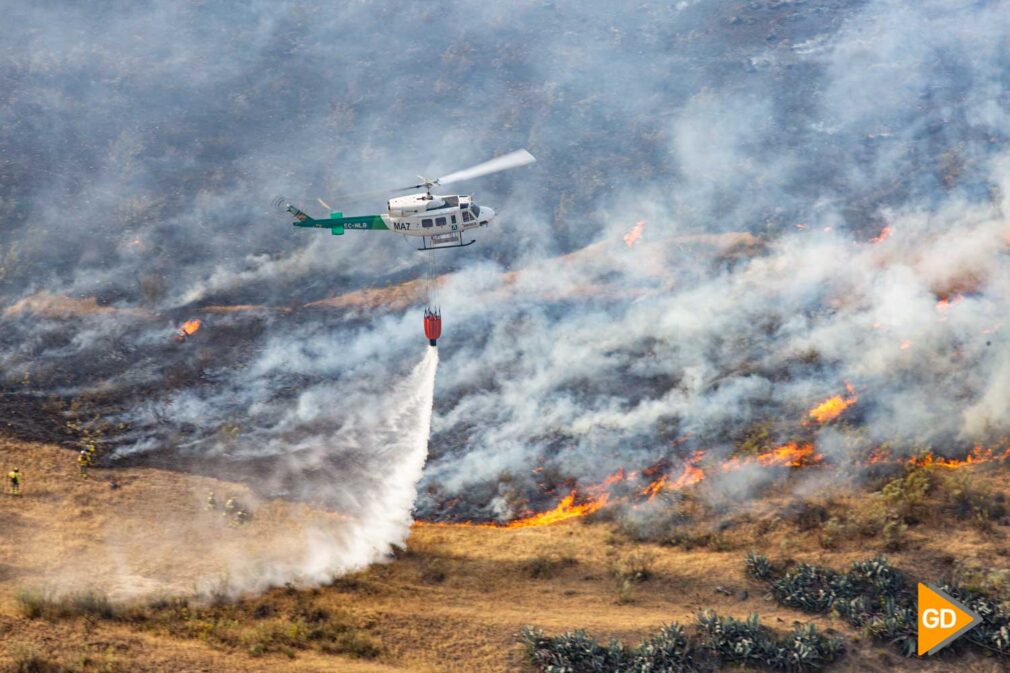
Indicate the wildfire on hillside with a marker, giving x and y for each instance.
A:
(833, 407)
(188, 328)
(791, 456)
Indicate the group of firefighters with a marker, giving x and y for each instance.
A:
(233, 512)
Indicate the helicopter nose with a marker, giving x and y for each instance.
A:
(486, 214)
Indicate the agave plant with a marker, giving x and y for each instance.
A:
(758, 566)
(747, 643)
(573, 652)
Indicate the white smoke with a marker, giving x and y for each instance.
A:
(377, 460)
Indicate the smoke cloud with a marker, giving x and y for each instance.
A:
(823, 187)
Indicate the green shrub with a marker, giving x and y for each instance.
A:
(905, 496)
(968, 500)
(747, 643)
(635, 566)
(37, 603)
(758, 566)
(575, 651)
(879, 599)
(894, 533)
(724, 640)
(354, 643)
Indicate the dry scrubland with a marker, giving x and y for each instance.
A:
(456, 599)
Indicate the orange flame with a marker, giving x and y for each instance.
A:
(905, 345)
(980, 454)
(692, 474)
(946, 302)
(885, 234)
(566, 509)
(634, 233)
(189, 327)
(833, 407)
(790, 455)
(657, 487)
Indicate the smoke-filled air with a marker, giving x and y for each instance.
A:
(776, 224)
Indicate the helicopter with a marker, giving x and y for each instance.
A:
(438, 220)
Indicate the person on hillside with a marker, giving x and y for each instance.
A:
(84, 462)
(211, 501)
(230, 509)
(14, 481)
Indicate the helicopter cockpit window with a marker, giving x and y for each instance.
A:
(467, 217)
(475, 209)
(425, 223)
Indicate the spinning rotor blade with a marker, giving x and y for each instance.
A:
(361, 196)
(502, 163)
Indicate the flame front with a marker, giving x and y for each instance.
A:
(634, 233)
(190, 327)
(792, 455)
(885, 234)
(566, 509)
(833, 407)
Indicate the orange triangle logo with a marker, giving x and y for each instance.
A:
(942, 620)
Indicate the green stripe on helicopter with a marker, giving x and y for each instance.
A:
(337, 223)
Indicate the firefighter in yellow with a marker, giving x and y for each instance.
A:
(84, 462)
(230, 507)
(14, 481)
(211, 501)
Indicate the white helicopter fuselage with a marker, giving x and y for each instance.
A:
(435, 216)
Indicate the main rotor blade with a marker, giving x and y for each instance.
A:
(502, 163)
(361, 196)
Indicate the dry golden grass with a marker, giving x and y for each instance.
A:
(456, 597)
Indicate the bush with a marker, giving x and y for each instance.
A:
(746, 642)
(905, 496)
(758, 566)
(894, 533)
(666, 652)
(30, 661)
(356, 644)
(635, 566)
(832, 532)
(35, 603)
(967, 500)
(881, 600)
(573, 652)
(545, 566)
(724, 640)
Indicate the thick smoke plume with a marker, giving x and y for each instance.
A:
(817, 190)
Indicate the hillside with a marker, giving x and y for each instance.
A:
(454, 600)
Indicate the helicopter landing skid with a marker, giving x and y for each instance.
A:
(438, 242)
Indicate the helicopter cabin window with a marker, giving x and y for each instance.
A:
(453, 218)
(425, 223)
(467, 217)
(439, 221)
